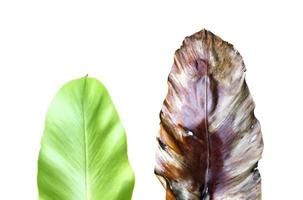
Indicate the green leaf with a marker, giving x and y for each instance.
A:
(83, 152)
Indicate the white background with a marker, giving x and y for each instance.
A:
(129, 46)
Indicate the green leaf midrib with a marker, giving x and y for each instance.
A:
(85, 140)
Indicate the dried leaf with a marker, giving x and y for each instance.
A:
(210, 140)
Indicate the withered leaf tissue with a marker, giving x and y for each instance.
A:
(210, 141)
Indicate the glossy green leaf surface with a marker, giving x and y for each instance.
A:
(83, 152)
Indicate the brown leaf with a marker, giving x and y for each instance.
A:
(210, 140)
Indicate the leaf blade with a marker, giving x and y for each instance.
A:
(210, 141)
(83, 148)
